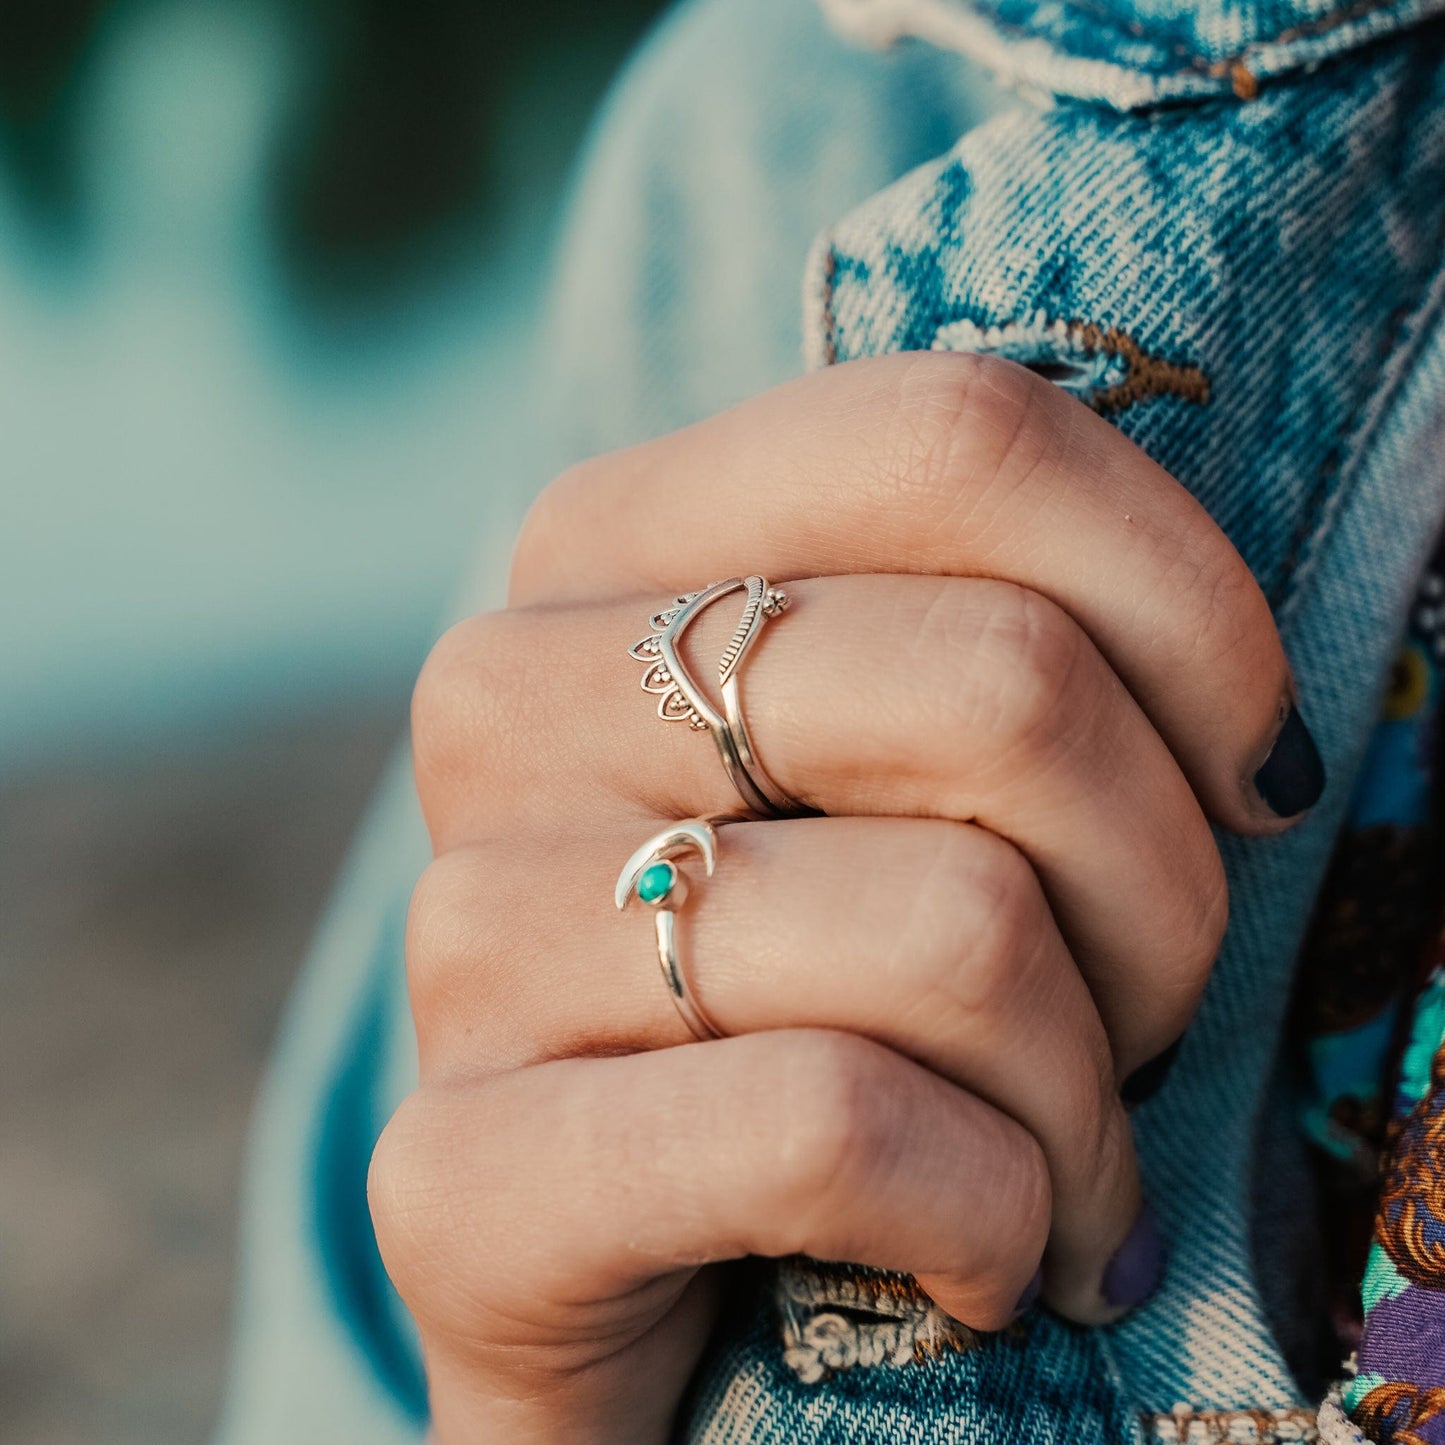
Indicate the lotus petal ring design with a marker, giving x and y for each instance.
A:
(682, 699)
(652, 877)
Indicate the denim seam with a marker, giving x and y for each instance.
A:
(1194, 62)
(1228, 66)
(1409, 333)
(1235, 68)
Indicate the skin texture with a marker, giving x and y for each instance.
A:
(1022, 673)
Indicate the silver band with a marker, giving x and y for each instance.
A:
(651, 876)
(682, 699)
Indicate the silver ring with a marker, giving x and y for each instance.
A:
(683, 700)
(653, 878)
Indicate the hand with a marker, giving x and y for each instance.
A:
(1022, 670)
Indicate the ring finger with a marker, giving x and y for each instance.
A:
(930, 937)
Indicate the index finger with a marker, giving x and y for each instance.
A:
(960, 465)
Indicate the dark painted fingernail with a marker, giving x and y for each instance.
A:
(1137, 1268)
(1148, 1079)
(1030, 1297)
(1292, 777)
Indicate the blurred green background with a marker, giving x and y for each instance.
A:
(269, 275)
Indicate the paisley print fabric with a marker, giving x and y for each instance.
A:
(1372, 1013)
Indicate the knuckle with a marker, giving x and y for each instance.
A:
(833, 1125)
(1047, 648)
(544, 543)
(974, 426)
(402, 1193)
(437, 699)
(974, 928)
(435, 1189)
(448, 936)
(1192, 919)
(1030, 659)
(464, 706)
(962, 425)
(1022, 1216)
(1002, 912)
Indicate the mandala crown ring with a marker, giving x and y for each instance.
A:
(681, 699)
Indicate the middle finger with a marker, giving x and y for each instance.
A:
(968, 699)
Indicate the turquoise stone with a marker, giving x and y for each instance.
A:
(656, 882)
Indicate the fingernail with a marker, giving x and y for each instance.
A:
(1137, 1268)
(1292, 777)
(1148, 1079)
(1030, 1297)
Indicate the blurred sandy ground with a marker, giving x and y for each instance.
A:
(253, 402)
(154, 914)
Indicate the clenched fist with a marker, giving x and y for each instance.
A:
(1022, 672)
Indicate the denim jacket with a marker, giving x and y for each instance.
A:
(1221, 224)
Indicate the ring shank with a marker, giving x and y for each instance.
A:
(692, 1012)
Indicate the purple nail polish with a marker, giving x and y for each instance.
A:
(1030, 1297)
(1137, 1268)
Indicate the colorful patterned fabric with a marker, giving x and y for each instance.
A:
(1372, 1008)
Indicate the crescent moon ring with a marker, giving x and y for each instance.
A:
(694, 835)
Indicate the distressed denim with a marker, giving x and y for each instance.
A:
(1219, 224)
(1236, 256)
